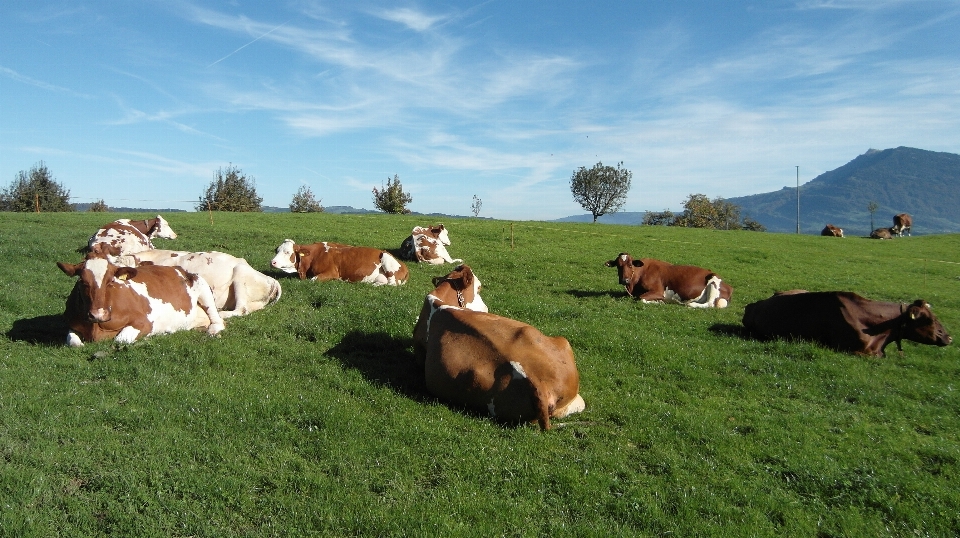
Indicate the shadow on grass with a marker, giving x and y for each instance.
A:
(383, 359)
(47, 330)
(727, 329)
(584, 294)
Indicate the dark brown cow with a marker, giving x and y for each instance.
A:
(902, 223)
(655, 281)
(882, 233)
(832, 231)
(493, 364)
(844, 321)
(336, 261)
(127, 303)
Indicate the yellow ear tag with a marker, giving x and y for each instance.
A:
(913, 315)
(122, 277)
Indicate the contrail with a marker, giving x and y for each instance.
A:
(250, 43)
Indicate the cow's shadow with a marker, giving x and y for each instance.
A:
(47, 330)
(584, 294)
(727, 329)
(383, 359)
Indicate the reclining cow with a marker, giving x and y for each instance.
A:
(336, 261)
(238, 289)
(127, 303)
(489, 363)
(428, 244)
(131, 236)
(882, 233)
(832, 231)
(655, 281)
(844, 321)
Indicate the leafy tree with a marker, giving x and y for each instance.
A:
(98, 207)
(701, 212)
(753, 226)
(601, 189)
(476, 205)
(230, 190)
(658, 218)
(35, 190)
(304, 202)
(392, 199)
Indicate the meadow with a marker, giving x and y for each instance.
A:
(308, 418)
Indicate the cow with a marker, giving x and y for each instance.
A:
(882, 233)
(490, 363)
(128, 303)
(656, 281)
(832, 231)
(131, 236)
(427, 244)
(336, 261)
(238, 288)
(844, 321)
(901, 223)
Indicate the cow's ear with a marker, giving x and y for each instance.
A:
(124, 273)
(611, 263)
(68, 268)
(637, 263)
(915, 310)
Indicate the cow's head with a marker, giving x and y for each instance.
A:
(920, 325)
(96, 274)
(626, 267)
(440, 233)
(461, 287)
(286, 258)
(161, 228)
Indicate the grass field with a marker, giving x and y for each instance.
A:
(308, 418)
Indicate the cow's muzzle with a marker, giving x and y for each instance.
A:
(100, 315)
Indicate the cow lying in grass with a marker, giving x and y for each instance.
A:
(490, 363)
(655, 281)
(336, 261)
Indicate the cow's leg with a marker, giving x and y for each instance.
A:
(127, 335)
(73, 340)
(209, 304)
(709, 295)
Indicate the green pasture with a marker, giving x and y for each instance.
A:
(309, 419)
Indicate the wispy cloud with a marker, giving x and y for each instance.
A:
(413, 19)
(11, 74)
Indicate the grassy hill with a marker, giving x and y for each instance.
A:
(308, 417)
(925, 184)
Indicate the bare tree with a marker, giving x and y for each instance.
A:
(476, 205)
(601, 189)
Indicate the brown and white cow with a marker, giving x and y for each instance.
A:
(336, 261)
(428, 244)
(882, 233)
(832, 231)
(490, 363)
(656, 281)
(844, 321)
(238, 288)
(132, 236)
(902, 222)
(127, 303)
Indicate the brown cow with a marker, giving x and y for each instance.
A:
(336, 261)
(901, 223)
(882, 233)
(832, 231)
(131, 236)
(655, 281)
(844, 321)
(127, 303)
(427, 244)
(490, 363)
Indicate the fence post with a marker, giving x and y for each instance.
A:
(511, 236)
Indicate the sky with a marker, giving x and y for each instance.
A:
(140, 103)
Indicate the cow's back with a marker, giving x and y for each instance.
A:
(828, 317)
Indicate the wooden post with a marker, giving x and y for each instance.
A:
(210, 211)
(511, 236)
(36, 200)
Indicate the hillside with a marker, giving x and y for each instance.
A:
(925, 184)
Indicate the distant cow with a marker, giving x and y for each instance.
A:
(336, 261)
(132, 236)
(427, 244)
(902, 223)
(832, 231)
(655, 281)
(882, 233)
(491, 363)
(127, 303)
(844, 321)
(237, 288)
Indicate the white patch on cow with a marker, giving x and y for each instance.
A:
(518, 372)
(73, 340)
(97, 267)
(127, 335)
(623, 257)
(670, 296)
(575, 405)
(708, 296)
(444, 237)
(284, 258)
(492, 409)
(477, 303)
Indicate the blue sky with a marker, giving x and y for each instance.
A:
(138, 103)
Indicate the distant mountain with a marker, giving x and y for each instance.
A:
(625, 217)
(925, 184)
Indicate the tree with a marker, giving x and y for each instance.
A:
(701, 212)
(872, 208)
(98, 207)
(230, 190)
(658, 218)
(304, 202)
(601, 189)
(35, 190)
(476, 205)
(392, 199)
